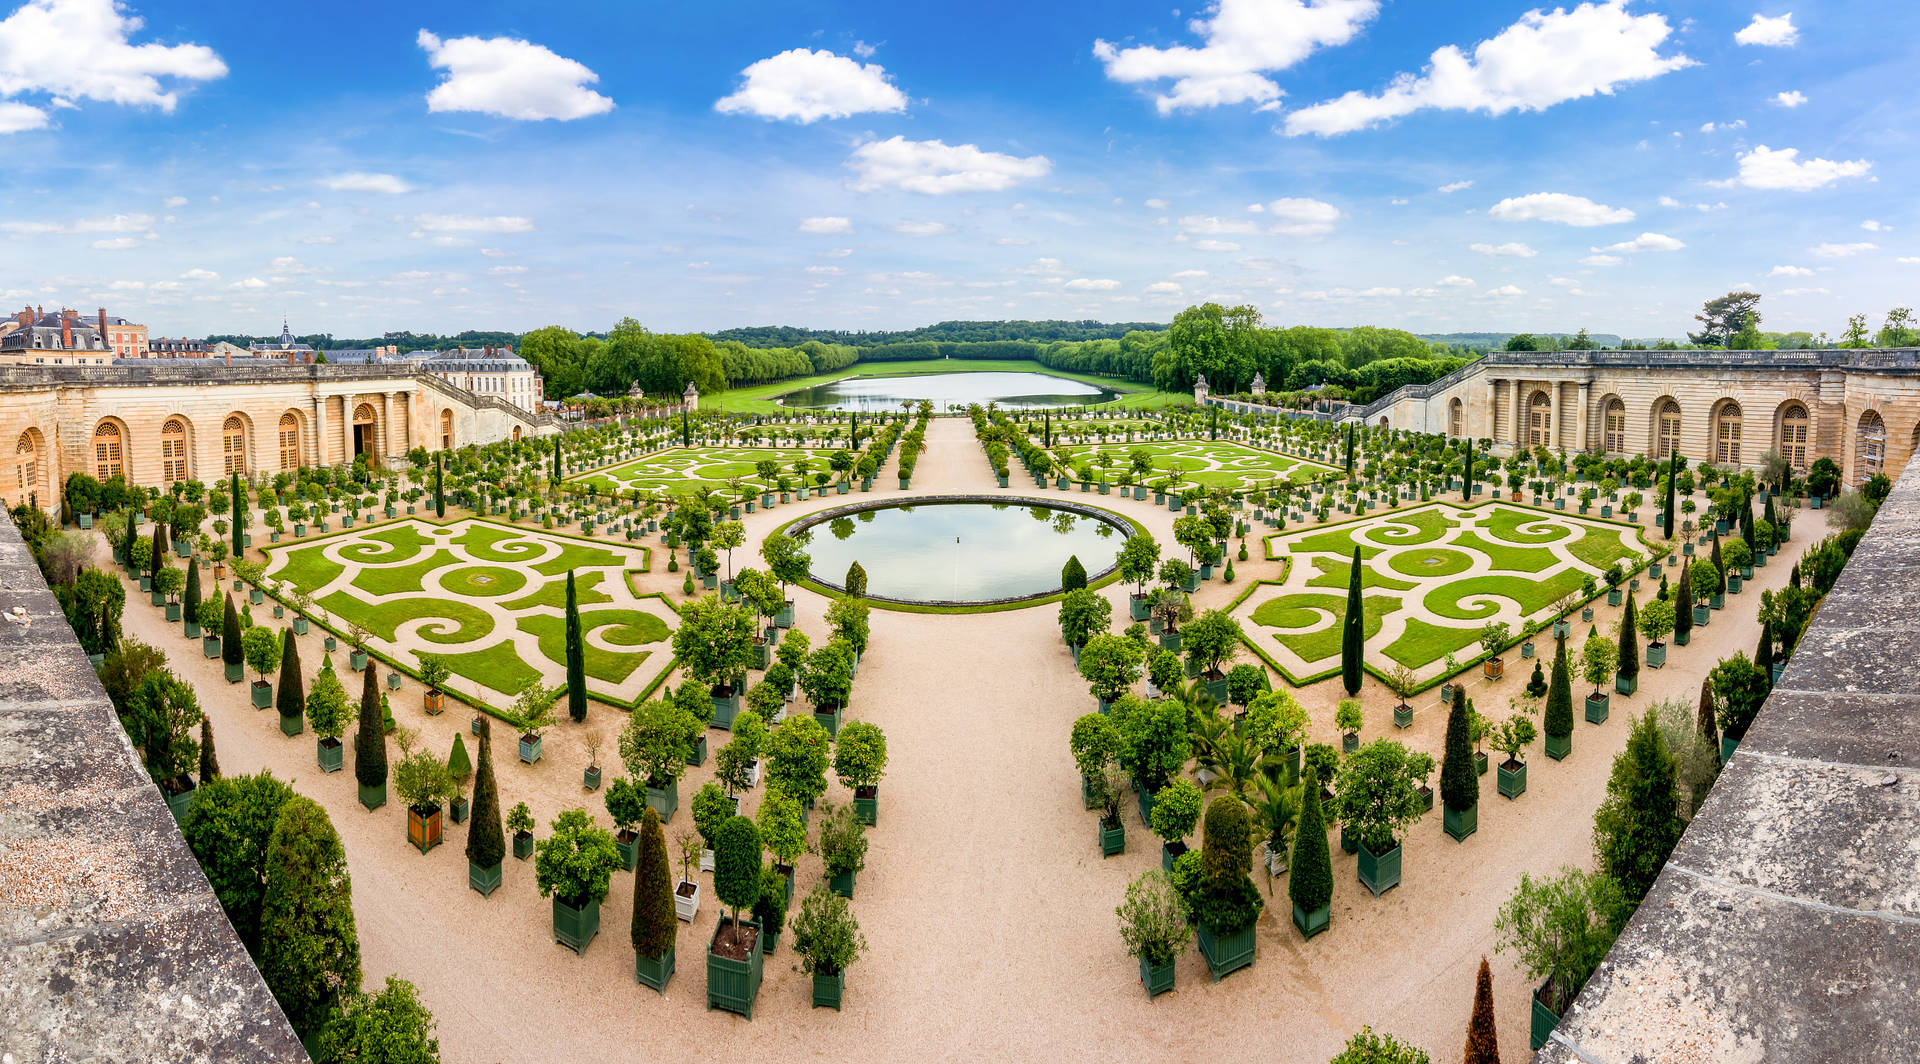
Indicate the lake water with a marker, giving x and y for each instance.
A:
(961, 552)
(1012, 390)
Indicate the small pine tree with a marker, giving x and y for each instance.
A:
(1706, 721)
(1073, 575)
(1353, 632)
(370, 745)
(655, 926)
(1483, 1040)
(1310, 881)
(209, 764)
(1628, 664)
(486, 843)
(291, 699)
(230, 649)
(576, 657)
(309, 951)
(1459, 783)
(1638, 823)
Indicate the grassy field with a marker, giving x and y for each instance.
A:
(759, 399)
(1208, 463)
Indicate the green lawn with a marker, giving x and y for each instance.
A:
(554, 593)
(498, 666)
(1338, 573)
(759, 399)
(1504, 522)
(1207, 463)
(631, 628)
(309, 569)
(1299, 611)
(1532, 595)
(1506, 558)
(483, 581)
(1422, 643)
(1430, 561)
(393, 580)
(401, 543)
(1600, 547)
(464, 623)
(683, 469)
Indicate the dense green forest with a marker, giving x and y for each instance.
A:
(946, 331)
(406, 341)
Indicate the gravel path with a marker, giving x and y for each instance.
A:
(988, 910)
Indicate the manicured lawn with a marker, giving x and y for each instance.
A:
(1430, 561)
(398, 579)
(309, 569)
(554, 593)
(401, 542)
(684, 469)
(1300, 611)
(496, 544)
(464, 623)
(1423, 643)
(1504, 522)
(630, 628)
(1531, 595)
(1427, 525)
(1338, 572)
(483, 581)
(578, 556)
(1508, 558)
(498, 666)
(1207, 463)
(1601, 547)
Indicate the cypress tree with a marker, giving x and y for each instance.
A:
(1073, 575)
(209, 764)
(1746, 523)
(370, 745)
(309, 950)
(1763, 655)
(1718, 565)
(654, 924)
(1558, 722)
(486, 840)
(1310, 880)
(856, 581)
(230, 634)
(439, 492)
(239, 518)
(1349, 450)
(1483, 1040)
(1705, 721)
(576, 658)
(1353, 633)
(1466, 486)
(158, 555)
(1768, 514)
(1638, 822)
(1629, 661)
(291, 698)
(1683, 606)
(1459, 784)
(1673, 472)
(556, 460)
(190, 605)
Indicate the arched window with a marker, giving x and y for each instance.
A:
(26, 465)
(446, 430)
(107, 450)
(1454, 418)
(1540, 421)
(1793, 437)
(233, 444)
(1667, 430)
(1873, 446)
(1614, 427)
(1726, 434)
(289, 442)
(173, 451)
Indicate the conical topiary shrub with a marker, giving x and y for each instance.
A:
(1310, 876)
(655, 926)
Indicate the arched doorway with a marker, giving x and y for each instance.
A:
(233, 445)
(173, 451)
(446, 430)
(1873, 447)
(1793, 436)
(1613, 428)
(516, 434)
(1666, 429)
(363, 434)
(1726, 433)
(109, 451)
(289, 442)
(1455, 417)
(1540, 420)
(26, 465)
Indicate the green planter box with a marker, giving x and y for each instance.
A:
(484, 880)
(1380, 872)
(1312, 923)
(1158, 979)
(530, 748)
(733, 984)
(664, 800)
(299, 626)
(262, 694)
(629, 849)
(653, 972)
(1559, 746)
(1597, 708)
(866, 805)
(842, 884)
(1460, 825)
(522, 846)
(1613, 596)
(1544, 1021)
(1656, 655)
(173, 612)
(1112, 840)
(179, 804)
(1512, 783)
(1727, 747)
(1403, 716)
(725, 708)
(1228, 953)
(575, 928)
(1625, 685)
(373, 797)
(699, 755)
(829, 721)
(357, 660)
(235, 671)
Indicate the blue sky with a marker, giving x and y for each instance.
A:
(204, 167)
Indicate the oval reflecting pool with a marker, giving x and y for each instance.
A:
(960, 551)
(1010, 389)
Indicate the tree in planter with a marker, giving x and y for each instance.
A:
(1459, 782)
(826, 937)
(190, 601)
(1155, 741)
(843, 841)
(827, 678)
(1349, 719)
(1598, 657)
(1212, 638)
(1246, 683)
(576, 658)
(309, 950)
(1627, 654)
(656, 742)
(1095, 743)
(575, 864)
(391, 1027)
(370, 743)
(534, 707)
(435, 672)
(209, 761)
(229, 828)
(1513, 735)
(1353, 632)
(1111, 664)
(625, 804)
(1558, 719)
(860, 757)
(1374, 794)
(163, 719)
(1560, 928)
(1176, 811)
(797, 755)
(1164, 670)
(231, 651)
(260, 645)
(1365, 1047)
(326, 707)
(1083, 615)
(736, 871)
(1138, 558)
(1638, 823)
(714, 642)
(423, 782)
(1223, 899)
(655, 927)
(1703, 580)
(712, 805)
(520, 820)
(1739, 688)
(486, 846)
(1153, 923)
(1655, 620)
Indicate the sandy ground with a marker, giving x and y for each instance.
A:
(987, 907)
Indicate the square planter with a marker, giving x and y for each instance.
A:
(262, 694)
(330, 754)
(373, 797)
(698, 756)
(1403, 716)
(1460, 825)
(1227, 953)
(1112, 840)
(665, 800)
(866, 805)
(1312, 923)
(423, 828)
(843, 884)
(1559, 746)
(1625, 685)
(1380, 872)
(484, 880)
(1727, 747)
(530, 748)
(235, 671)
(457, 809)
(733, 984)
(1656, 655)
(829, 721)
(628, 843)
(575, 928)
(1493, 668)
(1598, 707)
(1544, 1020)
(1158, 979)
(522, 845)
(590, 778)
(653, 972)
(686, 901)
(1512, 782)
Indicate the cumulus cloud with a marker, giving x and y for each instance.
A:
(1455, 186)
(1841, 251)
(1790, 271)
(1215, 245)
(1507, 290)
(1162, 288)
(174, 201)
(469, 223)
(510, 78)
(1192, 275)
(825, 225)
(805, 86)
(923, 228)
(198, 274)
(1872, 226)
(1558, 207)
(1455, 281)
(1803, 292)
(1738, 123)
(1099, 284)
(1790, 98)
(250, 283)
(1244, 41)
(1300, 216)
(1764, 167)
(1542, 60)
(1769, 32)
(359, 182)
(79, 49)
(1909, 260)
(1157, 204)
(1516, 250)
(1602, 260)
(1643, 242)
(118, 243)
(935, 168)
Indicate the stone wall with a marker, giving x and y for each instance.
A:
(112, 945)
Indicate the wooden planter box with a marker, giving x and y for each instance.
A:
(866, 805)
(522, 845)
(1544, 1021)
(1512, 782)
(575, 928)
(732, 984)
(1226, 954)
(423, 828)
(1598, 707)
(1656, 655)
(210, 646)
(1312, 923)
(262, 694)
(843, 883)
(330, 754)
(1493, 668)
(1381, 872)
(628, 842)
(1112, 840)
(1559, 746)
(530, 748)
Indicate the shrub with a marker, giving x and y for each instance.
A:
(1366, 1047)
(843, 840)
(485, 844)
(797, 758)
(711, 808)
(1151, 921)
(1459, 782)
(309, 950)
(656, 741)
(327, 705)
(1095, 743)
(1739, 688)
(1638, 823)
(575, 864)
(1176, 809)
(1560, 928)
(825, 935)
(1073, 575)
(860, 755)
(782, 831)
(229, 828)
(625, 803)
(770, 905)
(736, 865)
(1375, 796)
(1226, 900)
(655, 926)
(391, 1027)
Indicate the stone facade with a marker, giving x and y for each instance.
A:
(1861, 408)
(161, 422)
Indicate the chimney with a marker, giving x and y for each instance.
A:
(103, 325)
(66, 330)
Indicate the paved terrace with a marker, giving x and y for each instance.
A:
(1786, 925)
(112, 945)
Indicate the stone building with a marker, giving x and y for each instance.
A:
(169, 420)
(286, 349)
(494, 371)
(34, 337)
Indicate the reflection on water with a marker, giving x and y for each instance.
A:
(1012, 390)
(962, 552)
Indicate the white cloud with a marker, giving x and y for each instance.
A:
(1397, 202)
(1764, 167)
(1558, 207)
(1539, 61)
(1738, 123)
(1215, 245)
(923, 228)
(1517, 250)
(1909, 260)
(1100, 284)
(936, 168)
(510, 78)
(1841, 251)
(1013, 241)
(1455, 281)
(175, 201)
(249, 283)
(1303, 217)
(1643, 242)
(826, 271)
(359, 182)
(1790, 98)
(1803, 292)
(78, 49)
(1455, 186)
(1602, 260)
(1244, 39)
(1192, 275)
(469, 223)
(1157, 204)
(806, 86)
(1207, 225)
(1790, 271)
(1507, 290)
(506, 269)
(1163, 288)
(825, 225)
(118, 243)
(1769, 32)
(198, 274)
(1872, 226)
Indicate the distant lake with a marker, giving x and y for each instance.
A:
(960, 551)
(1010, 390)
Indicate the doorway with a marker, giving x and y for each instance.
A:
(363, 438)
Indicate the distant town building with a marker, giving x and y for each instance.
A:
(494, 371)
(63, 338)
(122, 337)
(286, 350)
(166, 347)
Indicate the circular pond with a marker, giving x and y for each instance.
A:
(1012, 390)
(956, 550)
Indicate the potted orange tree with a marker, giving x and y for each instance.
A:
(575, 867)
(827, 939)
(422, 781)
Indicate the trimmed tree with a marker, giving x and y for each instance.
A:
(1483, 1039)
(856, 581)
(190, 602)
(1673, 473)
(1073, 575)
(1705, 721)
(239, 518)
(1558, 720)
(655, 927)
(1466, 482)
(439, 490)
(1628, 665)
(309, 951)
(229, 828)
(291, 700)
(370, 745)
(576, 653)
(1683, 609)
(231, 652)
(1459, 784)
(1638, 823)
(1353, 632)
(1310, 876)
(486, 842)
(736, 865)
(209, 764)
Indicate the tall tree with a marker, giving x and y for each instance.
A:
(1310, 880)
(1638, 822)
(1673, 474)
(239, 518)
(1459, 783)
(1706, 719)
(158, 557)
(486, 842)
(1483, 1040)
(1466, 486)
(1683, 607)
(1558, 721)
(1724, 316)
(439, 487)
(1628, 664)
(291, 698)
(231, 652)
(309, 950)
(576, 658)
(557, 469)
(1353, 633)
(370, 745)
(209, 763)
(654, 924)
(190, 605)
(1763, 654)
